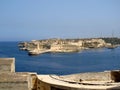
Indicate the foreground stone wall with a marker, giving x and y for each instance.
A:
(115, 75)
(34, 81)
(95, 76)
(7, 64)
(15, 81)
(110, 76)
(18, 81)
(11, 80)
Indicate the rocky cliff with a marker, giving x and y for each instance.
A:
(61, 45)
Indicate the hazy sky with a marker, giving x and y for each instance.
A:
(42, 19)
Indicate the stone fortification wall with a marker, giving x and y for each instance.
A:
(10, 80)
(107, 76)
(7, 64)
(18, 81)
(14, 81)
(95, 76)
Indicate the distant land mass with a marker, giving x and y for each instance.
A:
(112, 40)
(57, 45)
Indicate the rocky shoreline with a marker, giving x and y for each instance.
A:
(36, 47)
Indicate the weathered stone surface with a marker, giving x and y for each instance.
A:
(13, 77)
(14, 86)
(95, 76)
(15, 81)
(7, 65)
(9, 80)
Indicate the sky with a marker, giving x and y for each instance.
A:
(22, 20)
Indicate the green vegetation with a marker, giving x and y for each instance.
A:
(114, 40)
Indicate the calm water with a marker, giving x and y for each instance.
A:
(62, 63)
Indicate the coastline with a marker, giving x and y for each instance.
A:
(36, 47)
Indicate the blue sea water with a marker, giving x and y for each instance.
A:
(93, 60)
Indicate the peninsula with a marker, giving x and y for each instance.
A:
(55, 45)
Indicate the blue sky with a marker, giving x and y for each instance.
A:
(41, 19)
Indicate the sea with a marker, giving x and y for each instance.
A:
(92, 60)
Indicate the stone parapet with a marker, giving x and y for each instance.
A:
(18, 81)
(7, 65)
(11, 80)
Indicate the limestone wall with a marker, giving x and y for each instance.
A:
(11, 80)
(14, 86)
(7, 64)
(34, 81)
(15, 81)
(95, 76)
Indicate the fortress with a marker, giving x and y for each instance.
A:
(11, 80)
(36, 47)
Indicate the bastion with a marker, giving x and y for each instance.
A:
(11, 80)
